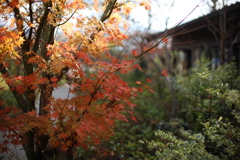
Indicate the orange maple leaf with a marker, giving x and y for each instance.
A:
(165, 40)
(32, 113)
(146, 5)
(138, 82)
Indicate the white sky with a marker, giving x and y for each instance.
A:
(179, 11)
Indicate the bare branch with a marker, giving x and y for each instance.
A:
(67, 19)
(31, 20)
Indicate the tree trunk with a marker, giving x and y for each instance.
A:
(29, 145)
(222, 51)
(28, 138)
(60, 155)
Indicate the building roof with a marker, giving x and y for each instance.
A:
(197, 23)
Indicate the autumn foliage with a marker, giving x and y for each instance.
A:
(28, 41)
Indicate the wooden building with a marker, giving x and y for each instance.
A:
(217, 35)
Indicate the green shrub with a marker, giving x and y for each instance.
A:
(214, 100)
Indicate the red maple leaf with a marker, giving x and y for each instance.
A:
(64, 147)
(149, 80)
(62, 136)
(54, 115)
(164, 72)
(134, 52)
(149, 89)
(137, 66)
(3, 149)
(134, 89)
(53, 79)
(133, 118)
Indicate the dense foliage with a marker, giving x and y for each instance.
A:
(33, 63)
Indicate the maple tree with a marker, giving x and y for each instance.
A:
(28, 40)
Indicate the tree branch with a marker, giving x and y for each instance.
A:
(21, 100)
(31, 20)
(43, 20)
(108, 11)
(67, 19)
